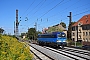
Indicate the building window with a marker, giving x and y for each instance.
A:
(80, 36)
(73, 34)
(80, 30)
(88, 27)
(73, 28)
(86, 39)
(73, 39)
(86, 33)
(87, 16)
(83, 39)
(84, 27)
(83, 33)
(86, 21)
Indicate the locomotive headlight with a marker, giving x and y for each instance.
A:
(64, 41)
(58, 41)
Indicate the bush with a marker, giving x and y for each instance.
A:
(69, 42)
(11, 49)
(72, 43)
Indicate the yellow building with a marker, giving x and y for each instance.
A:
(81, 30)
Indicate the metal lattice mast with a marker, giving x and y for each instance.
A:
(14, 28)
(17, 23)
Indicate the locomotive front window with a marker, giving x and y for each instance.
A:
(61, 35)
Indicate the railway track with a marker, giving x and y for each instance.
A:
(84, 52)
(39, 55)
(69, 53)
(73, 55)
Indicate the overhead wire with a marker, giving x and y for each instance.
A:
(60, 4)
(81, 12)
(76, 15)
(35, 6)
(69, 6)
(43, 7)
(65, 9)
(40, 7)
(52, 8)
(72, 16)
(28, 8)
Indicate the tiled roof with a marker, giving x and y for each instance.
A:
(84, 20)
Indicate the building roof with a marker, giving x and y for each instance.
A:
(83, 21)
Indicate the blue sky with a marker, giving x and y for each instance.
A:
(45, 12)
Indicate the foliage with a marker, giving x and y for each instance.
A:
(73, 23)
(32, 33)
(38, 32)
(52, 29)
(1, 30)
(11, 49)
(78, 44)
(69, 41)
(63, 24)
(72, 43)
(0, 35)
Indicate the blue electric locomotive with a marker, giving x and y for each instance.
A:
(53, 39)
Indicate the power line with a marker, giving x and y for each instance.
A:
(47, 4)
(40, 6)
(72, 16)
(70, 6)
(36, 6)
(28, 8)
(74, 9)
(81, 13)
(63, 3)
(44, 6)
(52, 8)
(64, 9)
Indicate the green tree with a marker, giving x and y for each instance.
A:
(1, 30)
(32, 33)
(63, 24)
(53, 29)
(39, 32)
